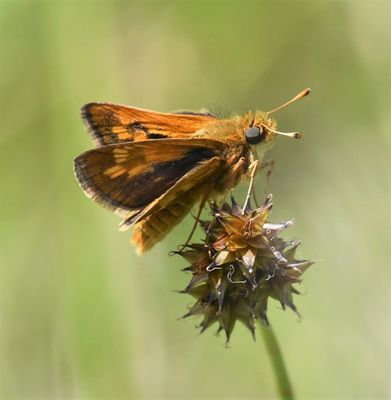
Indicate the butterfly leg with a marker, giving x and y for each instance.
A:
(197, 219)
(270, 165)
(232, 178)
(253, 167)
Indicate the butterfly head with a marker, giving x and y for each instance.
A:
(262, 128)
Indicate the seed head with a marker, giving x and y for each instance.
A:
(242, 263)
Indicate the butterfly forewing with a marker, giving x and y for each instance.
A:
(113, 123)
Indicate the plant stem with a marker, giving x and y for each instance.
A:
(277, 360)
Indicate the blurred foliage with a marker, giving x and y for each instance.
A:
(82, 317)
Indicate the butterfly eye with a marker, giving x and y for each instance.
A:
(254, 135)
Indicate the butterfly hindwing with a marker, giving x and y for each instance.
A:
(113, 123)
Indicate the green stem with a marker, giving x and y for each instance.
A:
(277, 360)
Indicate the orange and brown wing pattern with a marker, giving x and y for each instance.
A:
(154, 222)
(130, 176)
(113, 123)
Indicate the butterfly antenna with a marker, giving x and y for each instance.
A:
(294, 135)
(299, 96)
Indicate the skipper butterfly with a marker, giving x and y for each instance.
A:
(150, 168)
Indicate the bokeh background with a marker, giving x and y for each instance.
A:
(83, 317)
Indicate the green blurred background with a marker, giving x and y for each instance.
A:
(83, 317)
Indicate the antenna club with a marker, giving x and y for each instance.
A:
(299, 96)
(297, 135)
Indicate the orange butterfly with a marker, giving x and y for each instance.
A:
(151, 168)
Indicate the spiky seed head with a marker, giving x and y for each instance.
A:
(242, 263)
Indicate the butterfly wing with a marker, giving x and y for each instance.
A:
(113, 123)
(129, 177)
(154, 222)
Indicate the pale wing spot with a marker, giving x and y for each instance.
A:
(120, 151)
(120, 159)
(115, 171)
(120, 155)
(121, 133)
(124, 136)
(119, 173)
(112, 170)
(117, 129)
